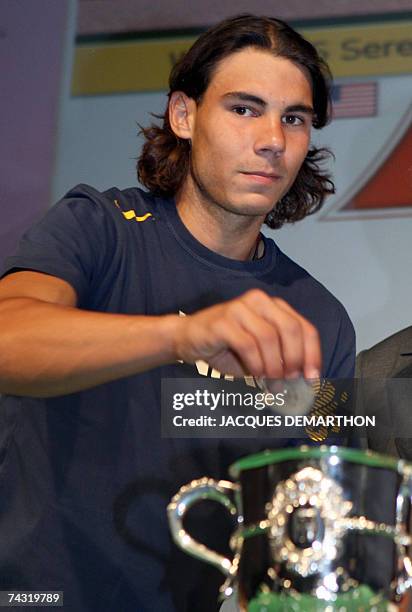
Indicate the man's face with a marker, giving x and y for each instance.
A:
(250, 132)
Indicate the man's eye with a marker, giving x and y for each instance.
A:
(294, 120)
(244, 111)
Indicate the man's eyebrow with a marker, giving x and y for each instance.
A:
(245, 97)
(300, 108)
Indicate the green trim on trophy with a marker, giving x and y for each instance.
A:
(361, 599)
(253, 530)
(305, 452)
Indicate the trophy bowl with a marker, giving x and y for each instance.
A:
(317, 528)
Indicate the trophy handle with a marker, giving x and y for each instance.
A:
(187, 496)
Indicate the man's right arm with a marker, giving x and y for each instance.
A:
(50, 347)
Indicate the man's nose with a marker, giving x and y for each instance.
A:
(271, 137)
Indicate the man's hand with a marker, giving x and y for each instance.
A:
(251, 335)
(50, 347)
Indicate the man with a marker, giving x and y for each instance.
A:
(89, 317)
(385, 390)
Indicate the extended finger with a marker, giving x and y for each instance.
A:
(266, 337)
(291, 329)
(311, 357)
(242, 343)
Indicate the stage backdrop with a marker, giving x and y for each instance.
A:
(32, 40)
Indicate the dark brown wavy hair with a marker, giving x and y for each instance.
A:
(165, 159)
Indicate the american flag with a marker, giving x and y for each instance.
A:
(354, 100)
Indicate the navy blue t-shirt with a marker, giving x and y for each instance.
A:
(85, 478)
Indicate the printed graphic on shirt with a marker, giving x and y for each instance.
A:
(131, 215)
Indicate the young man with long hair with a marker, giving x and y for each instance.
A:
(90, 316)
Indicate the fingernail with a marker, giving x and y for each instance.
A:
(295, 374)
(312, 373)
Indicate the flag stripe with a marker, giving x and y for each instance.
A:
(354, 100)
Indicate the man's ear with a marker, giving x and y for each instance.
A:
(182, 113)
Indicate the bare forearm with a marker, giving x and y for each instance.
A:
(48, 349)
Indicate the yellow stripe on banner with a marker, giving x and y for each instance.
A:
(362, 50)
(115, 67)
(355, 50)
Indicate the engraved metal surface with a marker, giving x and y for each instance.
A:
(305, 518)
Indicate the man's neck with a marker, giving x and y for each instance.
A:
(229, 234)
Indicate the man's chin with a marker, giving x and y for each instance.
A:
(254, 206)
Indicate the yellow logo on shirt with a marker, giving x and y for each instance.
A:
(131, 214)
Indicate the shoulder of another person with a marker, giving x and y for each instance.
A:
(382, 359)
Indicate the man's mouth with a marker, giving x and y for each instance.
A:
(262, 177)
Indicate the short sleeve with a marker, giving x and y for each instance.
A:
(73, 241)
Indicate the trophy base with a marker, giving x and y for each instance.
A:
(360, 599)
